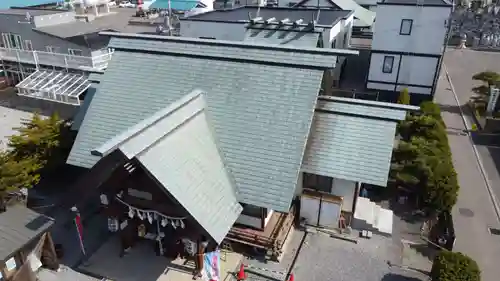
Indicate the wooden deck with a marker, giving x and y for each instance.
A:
(271, 238)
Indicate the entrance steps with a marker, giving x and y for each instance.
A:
(372, 217)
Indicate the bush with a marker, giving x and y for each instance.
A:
(422, 163)
(451, 266)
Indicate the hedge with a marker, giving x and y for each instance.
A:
(453, 266)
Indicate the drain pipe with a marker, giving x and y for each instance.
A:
(292, 265)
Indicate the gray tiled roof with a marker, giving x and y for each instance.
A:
(282, 35)
(351, 142)
(176, 145)
(18, 226)
(261, 100)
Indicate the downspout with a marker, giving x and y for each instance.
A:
(441, 59)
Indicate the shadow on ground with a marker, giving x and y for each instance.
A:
(455, 109)
(9, 99)
(398, 277)
(425, 250)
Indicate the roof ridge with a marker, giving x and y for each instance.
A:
(226, 43)
(145, 124)
(388, 105)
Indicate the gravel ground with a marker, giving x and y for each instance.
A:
(324, 258)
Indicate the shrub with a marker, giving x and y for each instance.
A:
(451, 266)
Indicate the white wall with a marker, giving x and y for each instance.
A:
(346, 190)
(337, 32)
(416, 56)
(428, 30)
(217, 30)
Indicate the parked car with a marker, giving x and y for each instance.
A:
(126, 4)
(112, 3)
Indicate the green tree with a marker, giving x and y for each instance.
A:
(404, 97)
(454, 266)
(431, 109)
(45, 139)
(16, 174)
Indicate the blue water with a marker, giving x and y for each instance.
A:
(180, 5)
(5, 4)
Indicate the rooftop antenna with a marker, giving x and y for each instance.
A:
(317, 15)
(168, 20)
(258, 12)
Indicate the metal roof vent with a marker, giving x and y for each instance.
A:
(298, 22)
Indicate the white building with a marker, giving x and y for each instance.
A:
(334, 26)
(407, 47)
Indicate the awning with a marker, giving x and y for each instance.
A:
(177, 147)
(352, 141)
(55, 86)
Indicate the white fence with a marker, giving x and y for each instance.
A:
(55, 59)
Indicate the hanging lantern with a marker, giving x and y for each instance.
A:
(182, 224)
(155, 216)
(172, 222)
(131, 212)
(164, 222)
(150, 217)
(140, 215)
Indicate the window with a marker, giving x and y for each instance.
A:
(12, 41)
(75, 52)
(28, 45)
(406, 26)
(334, 44)
(52, 49)
(388, 64)
(213, 38)
(317, 182)
(252, 211)
(346, 44)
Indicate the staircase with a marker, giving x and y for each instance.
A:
(370, 216)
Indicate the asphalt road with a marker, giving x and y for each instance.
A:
(474, 212)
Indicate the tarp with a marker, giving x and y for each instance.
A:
(211, 266)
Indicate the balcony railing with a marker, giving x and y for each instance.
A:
(99, 62)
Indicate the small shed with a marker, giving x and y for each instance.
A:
(20, 232)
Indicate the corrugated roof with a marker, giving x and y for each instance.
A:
(323, 16)
(18, 226)
(282, 35)
(261, 100)
(353, 141)
(176, 145)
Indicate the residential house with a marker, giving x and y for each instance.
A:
(25, 244)
(408, 45)
(184, 6)
(48, 53)
(332, 27)
(221, 137)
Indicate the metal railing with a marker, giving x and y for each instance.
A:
(55, 59)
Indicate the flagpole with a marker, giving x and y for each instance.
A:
(79, 228)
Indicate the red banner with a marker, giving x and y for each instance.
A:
(79, 229)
